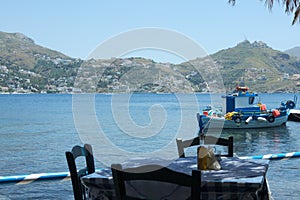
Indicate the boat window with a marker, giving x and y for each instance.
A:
(251, 100)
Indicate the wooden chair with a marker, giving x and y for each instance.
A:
(154, 173)
(182, 144)
(77, 151)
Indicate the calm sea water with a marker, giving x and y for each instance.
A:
(36, 130)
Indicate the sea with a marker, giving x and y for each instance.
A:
(37, 129)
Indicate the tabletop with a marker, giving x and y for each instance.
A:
(238, 179)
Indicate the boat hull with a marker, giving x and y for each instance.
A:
(294, 116)
(219, 122)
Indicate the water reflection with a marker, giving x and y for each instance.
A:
(249, 142)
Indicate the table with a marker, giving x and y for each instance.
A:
(238, 179)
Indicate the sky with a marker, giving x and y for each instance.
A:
(76, 28)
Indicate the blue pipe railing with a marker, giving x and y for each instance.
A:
(280, 156)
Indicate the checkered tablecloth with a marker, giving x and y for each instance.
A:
(238, 179)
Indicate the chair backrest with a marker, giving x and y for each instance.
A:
(154, 173)
(182, 144)
(78, 151)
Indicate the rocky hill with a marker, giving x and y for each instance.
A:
(131, 75)
(27, 67)
(294, 51)
(259, 66)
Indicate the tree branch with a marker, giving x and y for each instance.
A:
(290, 7)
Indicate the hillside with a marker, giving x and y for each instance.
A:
(259, 66)
(131, 75)
(29, 68)
(21, 51)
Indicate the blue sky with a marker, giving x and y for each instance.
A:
(76, 28)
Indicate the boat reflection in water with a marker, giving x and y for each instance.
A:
(262, 141)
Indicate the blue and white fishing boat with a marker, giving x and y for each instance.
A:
(243, 109)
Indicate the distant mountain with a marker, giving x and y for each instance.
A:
(19, 50)
(256, 65)
(29, 68)
(131, 75)
(259, 66)
(294, 51)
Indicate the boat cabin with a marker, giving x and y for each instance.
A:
(240, 100)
